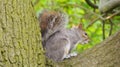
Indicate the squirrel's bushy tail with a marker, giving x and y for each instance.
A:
(51, 22)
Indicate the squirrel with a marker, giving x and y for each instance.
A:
(57, 40)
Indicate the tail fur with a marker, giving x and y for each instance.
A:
(51, 22)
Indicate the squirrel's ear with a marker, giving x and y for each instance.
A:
(80, 26)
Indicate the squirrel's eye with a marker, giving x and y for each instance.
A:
(85, 33)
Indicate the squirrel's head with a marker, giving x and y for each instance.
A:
(82, 34)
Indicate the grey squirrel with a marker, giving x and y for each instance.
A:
(57, 40)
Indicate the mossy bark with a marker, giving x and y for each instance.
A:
(20, 43)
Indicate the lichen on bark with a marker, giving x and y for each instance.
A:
(20, 39)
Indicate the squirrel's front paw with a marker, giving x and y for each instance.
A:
(71, 54)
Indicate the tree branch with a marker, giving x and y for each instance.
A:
(91, 4)
(102, 18)
(111, 27)
(108, 5)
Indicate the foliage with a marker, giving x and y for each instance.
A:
(80, 12)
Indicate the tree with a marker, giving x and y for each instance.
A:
(20, 39)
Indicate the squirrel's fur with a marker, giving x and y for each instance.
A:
(56, 39)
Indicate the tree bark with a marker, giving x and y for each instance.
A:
(20, 43)
(105, 54)
(108, 5)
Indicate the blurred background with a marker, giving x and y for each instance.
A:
(80, 12)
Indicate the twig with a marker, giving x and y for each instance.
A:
(91, 4)
(102, 18)
(103, 29)
(111, 26)
(114, 14)
(92, 22)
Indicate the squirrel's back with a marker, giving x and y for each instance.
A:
(51, 22)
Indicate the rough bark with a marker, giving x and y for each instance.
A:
(108, 5)
(20, 43)
(105, 54)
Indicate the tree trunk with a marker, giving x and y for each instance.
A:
(20, 43)
(106, 54)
